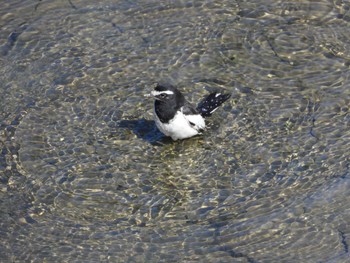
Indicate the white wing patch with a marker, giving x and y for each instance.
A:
(196, 121)
(180, 126)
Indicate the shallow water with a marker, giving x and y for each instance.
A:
(85, 175)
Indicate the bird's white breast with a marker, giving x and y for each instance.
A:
(179, 127)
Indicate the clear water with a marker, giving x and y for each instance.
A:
(86, 177)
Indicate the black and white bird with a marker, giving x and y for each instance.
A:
(176, 117)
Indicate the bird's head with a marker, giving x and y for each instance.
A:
(163, 93)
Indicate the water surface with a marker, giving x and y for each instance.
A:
(85, 175)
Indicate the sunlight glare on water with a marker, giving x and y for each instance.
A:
(86, 176)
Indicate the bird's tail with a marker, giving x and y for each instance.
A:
(209, 104)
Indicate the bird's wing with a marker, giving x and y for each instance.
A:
(193, 117)
(188, 109)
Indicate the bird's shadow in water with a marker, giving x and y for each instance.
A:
(145, 130)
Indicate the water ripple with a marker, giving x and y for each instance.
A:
(93, 179)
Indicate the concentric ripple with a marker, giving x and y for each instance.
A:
(91, 179)
(79, 155)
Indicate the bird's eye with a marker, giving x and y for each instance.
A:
(162, 95)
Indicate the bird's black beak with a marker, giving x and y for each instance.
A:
(152, 94)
